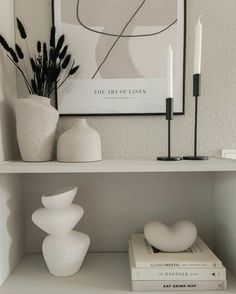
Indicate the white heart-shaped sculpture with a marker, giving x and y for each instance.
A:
(177, 238)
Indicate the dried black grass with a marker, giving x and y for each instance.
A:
(66, 62)
(19, 51)
(49, 66)
(4, 43)
(63, 52)
(13, 55)
(53, 36)
(39, 47)
(73, 70)
(21, 29)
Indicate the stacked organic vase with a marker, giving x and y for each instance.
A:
(63, 249)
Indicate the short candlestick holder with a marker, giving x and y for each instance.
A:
(196, 94)
(169, 118)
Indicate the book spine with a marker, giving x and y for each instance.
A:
(178, 274)
(160, 265)
(178, 285)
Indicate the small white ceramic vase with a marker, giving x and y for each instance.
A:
(36, 123)
(80, 143)
(63, 249)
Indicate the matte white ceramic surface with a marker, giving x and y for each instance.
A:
(63, 249)
(58, 222)
(36, 123)
(64, 197)
(176, 238)
(64, 255)
(80, 143)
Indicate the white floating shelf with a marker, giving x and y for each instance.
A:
(101, 273)
(118, 166)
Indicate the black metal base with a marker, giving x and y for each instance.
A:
(195, 158)
(171, 158)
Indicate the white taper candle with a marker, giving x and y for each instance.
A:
(170, 72)
(198, 47)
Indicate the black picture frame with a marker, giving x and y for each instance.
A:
(132, 114)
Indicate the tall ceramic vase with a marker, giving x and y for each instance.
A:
(36, 123)
(63, 249)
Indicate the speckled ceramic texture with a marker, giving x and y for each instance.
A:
(36, 124)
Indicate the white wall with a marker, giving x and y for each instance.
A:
(225, 218)
(11, 204)
(146, 136)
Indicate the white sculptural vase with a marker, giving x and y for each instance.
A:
(63, 249)
(80, 143)
(36, 123)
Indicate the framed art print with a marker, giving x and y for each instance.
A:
(121, 47)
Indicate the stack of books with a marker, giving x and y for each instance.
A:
(198, 268)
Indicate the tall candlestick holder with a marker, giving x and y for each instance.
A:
(169, 118)
(196, 94)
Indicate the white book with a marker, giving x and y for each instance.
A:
(178, 285)
(166, 274)
(199, 255)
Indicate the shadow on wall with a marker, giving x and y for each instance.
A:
(11, 224)
(15, 234)
(8, 142)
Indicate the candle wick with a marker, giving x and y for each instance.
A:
(200, 17)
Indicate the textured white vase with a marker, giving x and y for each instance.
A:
(176, 238)
(63, 249)
(80, 143)
(36, 123)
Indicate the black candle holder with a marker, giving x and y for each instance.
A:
(196, 94)
(169, 118)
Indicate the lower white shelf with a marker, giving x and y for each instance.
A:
(101, 273)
